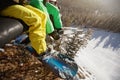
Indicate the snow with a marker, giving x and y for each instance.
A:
(102, 55)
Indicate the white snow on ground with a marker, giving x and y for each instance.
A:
(102, 55)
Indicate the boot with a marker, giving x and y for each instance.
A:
(55, 35)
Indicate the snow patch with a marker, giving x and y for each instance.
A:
(102, 55)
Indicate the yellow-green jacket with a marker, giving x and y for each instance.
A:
(51, 10)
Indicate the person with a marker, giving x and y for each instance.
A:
(54, 14)
(34, 18)
(50, 29)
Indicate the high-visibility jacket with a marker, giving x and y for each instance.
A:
(39, 5)
(55, 13)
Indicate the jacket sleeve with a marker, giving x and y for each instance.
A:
(39, 5)
(55, 13)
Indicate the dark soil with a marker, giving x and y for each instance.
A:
(16, 63)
